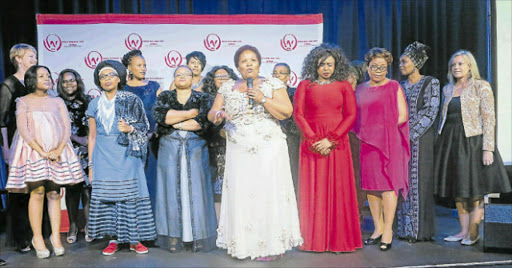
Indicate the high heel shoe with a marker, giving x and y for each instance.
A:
(87, 238)
(41, 254)
(58, 251)
(373, 241)
(72, 238)
(385, 246)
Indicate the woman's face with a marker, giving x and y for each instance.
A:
(195, 65)
(248, 65)
(44, 80)
(377, 70)
(138, 68)
(183, 78)
(406, 65)
(109, 80)
(28, 59)
(459, 68)
(281, 72)
(69, 83)
(220, 77)
(325, 68)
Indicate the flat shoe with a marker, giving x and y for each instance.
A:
(468, 242)
(452, 238)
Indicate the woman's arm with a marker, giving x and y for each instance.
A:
(278, 106)
(402, 106)
(189, 125)
(91, 143)
(217, 114)
(174, 116)
(66, 124)
(299, 111)
(426, 115)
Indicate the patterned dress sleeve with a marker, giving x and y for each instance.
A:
(205, 104)
(66, 123)
(161, 107)
(22, 121)
(420, 122)
(488, 116)
(349, 115)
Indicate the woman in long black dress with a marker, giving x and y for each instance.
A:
(22, 56)
(416, 215)
(467, 163)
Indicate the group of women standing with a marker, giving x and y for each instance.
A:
(229, 168)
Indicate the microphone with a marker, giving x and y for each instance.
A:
(249, 86)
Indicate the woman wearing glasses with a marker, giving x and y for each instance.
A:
(382, 127)
(120, 204)
(185, 213)
(282, 72)
(71, 89)
(216, 135)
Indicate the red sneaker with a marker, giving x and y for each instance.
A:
(110, 249)
(139, 248)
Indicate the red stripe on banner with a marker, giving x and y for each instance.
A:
(179, 19)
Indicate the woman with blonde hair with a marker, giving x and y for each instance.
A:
(467, 163)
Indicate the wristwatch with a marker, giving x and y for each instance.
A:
(263, 100)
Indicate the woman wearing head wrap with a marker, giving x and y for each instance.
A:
(120, 205)
(416, 216)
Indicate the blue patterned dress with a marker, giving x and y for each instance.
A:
(120, 204)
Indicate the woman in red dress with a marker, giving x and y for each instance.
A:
(325, 109)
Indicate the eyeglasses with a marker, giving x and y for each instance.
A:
(276, 74)
(183, 74)
(222, 77)
(376, 68)
(70, 81)
(105, 76)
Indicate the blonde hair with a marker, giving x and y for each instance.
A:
(19, 50)
(469, 59)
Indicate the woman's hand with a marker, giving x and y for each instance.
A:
(53, 155)
(219, 117)
(488, 158)
(255, 94)
(123, 126)
(323, 145)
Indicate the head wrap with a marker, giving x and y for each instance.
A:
(417, 52)
(117, 66)
(358, 68)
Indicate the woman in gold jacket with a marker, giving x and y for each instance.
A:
(467, 164)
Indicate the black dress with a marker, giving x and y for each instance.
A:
(460, 172)
(18, 228)
(416, 215)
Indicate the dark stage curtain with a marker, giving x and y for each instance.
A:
(357, 25)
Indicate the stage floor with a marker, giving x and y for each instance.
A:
(403, 254)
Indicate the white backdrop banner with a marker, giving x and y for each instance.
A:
(80, 42)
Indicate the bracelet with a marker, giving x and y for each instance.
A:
(180, 126)
(132, 129)
(89, 164)
(217, 113)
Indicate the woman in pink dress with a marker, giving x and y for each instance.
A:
(42, 157)
(325, 109)
(382, 127)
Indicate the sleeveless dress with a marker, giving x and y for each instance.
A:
(329, 214)
(259, 211)
(384, 145)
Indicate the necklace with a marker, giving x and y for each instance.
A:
(324, 82)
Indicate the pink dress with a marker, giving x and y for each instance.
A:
(45, 121)
(384, 145)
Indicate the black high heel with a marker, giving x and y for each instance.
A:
(385, 246)
(372, 241)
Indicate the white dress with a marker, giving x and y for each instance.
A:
(259, 214)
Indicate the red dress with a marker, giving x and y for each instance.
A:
(328, 212)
